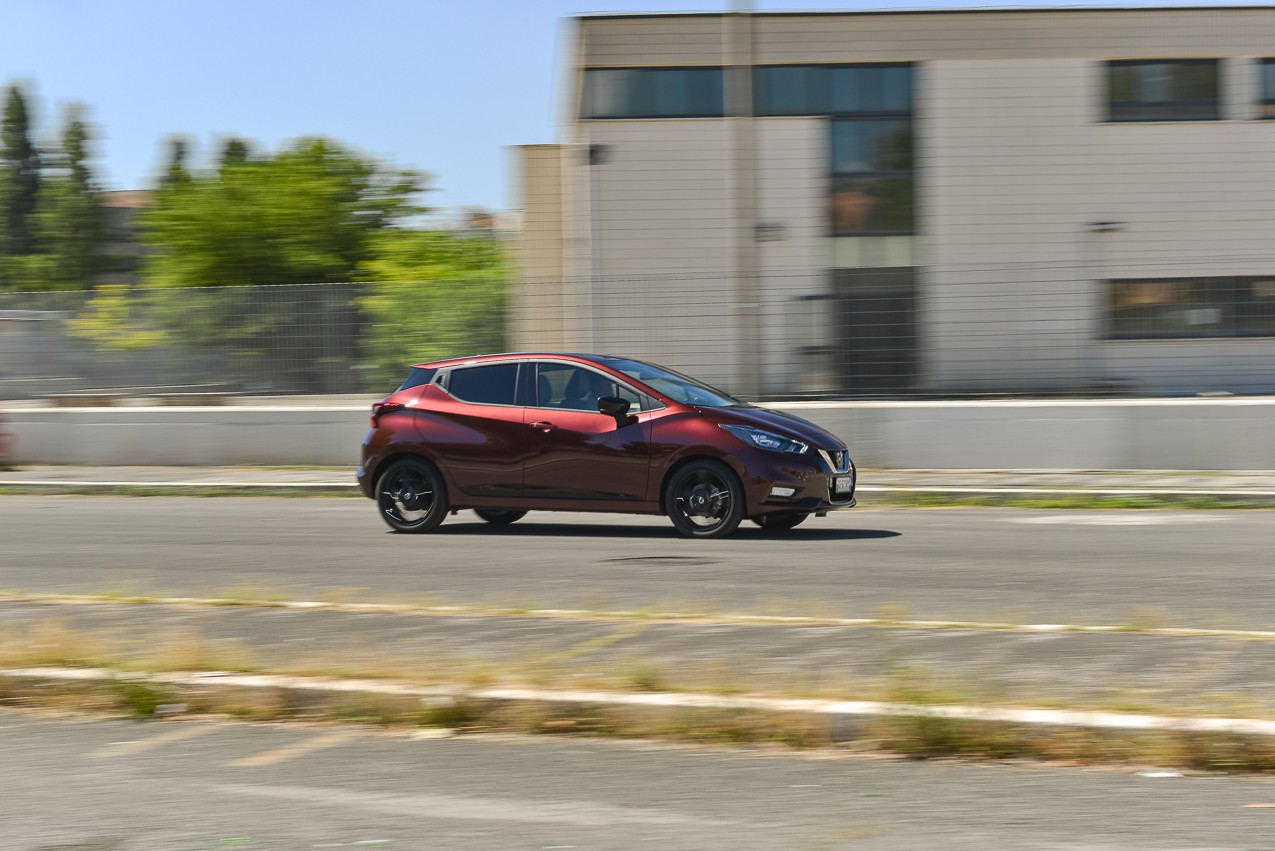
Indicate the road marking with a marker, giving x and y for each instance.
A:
(1131, 519)
(1239, 493)
(584, 813)
(295, 749)
(181, 733)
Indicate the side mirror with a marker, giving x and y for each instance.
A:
(614, 406)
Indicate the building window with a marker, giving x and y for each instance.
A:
(1268, 88)
(870, 137)
(653, 93)
(872, 186)
(833, 89)
(1184, 308)
(1163, 90)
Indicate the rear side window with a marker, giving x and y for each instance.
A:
(417, 377)
(496, 384)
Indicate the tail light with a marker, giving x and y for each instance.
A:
(380, 408)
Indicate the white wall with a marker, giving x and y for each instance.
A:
(1186, 434)
(792, 193)
(662, 240)
(1015, 160)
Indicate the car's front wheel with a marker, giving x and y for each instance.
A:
(412, 496)
(704, 499)
(781, 521)
(500, 516)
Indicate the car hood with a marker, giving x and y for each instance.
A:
(778, 422)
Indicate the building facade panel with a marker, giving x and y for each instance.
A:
(793, 254)
(1074, 198)
(1007, 183)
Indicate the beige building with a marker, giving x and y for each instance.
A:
(865, 203)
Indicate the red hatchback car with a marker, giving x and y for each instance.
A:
(507, 434)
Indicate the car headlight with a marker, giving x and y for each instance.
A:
(766, 440)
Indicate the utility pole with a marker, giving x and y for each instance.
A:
(738, 50)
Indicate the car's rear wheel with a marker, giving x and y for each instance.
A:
(500, 516)
(781, 521)
(412, 496)
(704, 499)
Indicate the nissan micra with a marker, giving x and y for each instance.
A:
(512, 433)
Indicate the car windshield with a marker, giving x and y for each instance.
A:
(674, 385)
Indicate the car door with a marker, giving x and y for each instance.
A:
(484, 443)
(578, 453)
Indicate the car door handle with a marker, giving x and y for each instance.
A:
(545, 427)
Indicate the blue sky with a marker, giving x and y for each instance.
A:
(442, 86)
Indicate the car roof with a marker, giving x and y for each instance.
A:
(439, 364)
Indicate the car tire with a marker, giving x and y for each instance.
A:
(412, 496)
(500, 516)
(704, 499)
(781, 521)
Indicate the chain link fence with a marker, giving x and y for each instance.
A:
(1018, 330)
(888, 333)
(344, 338)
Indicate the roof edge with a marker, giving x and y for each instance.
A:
(937, 10)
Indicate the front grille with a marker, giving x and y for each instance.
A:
(838, 461)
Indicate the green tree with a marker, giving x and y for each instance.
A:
(303, 216)
(69, 216)
(19, 186)
(306, 215)
(233, 153)
(430, 295)
(176, 173)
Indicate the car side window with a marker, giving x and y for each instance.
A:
(560, 385)
(492, 384)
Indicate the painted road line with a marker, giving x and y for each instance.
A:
(1030, 716)
(1028, 491)
(296, 749)
(179, 734)
(589, 616)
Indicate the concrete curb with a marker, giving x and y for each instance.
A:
(44, 486)
(829, 709)
(90, 487)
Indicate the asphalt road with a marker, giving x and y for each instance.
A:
(1204, 568)
(99, 785)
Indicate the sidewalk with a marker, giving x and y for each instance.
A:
(303, 479)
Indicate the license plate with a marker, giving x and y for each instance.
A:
(843, 484)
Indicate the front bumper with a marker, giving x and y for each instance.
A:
(812, 479)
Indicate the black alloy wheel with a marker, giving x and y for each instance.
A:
(781, 521)
(500, 516)
(704, 499)
(412, 496)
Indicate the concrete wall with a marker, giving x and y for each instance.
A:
(662, 240)
(1186, 434)
(541, 299)
(792, 196)
(188, 436)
